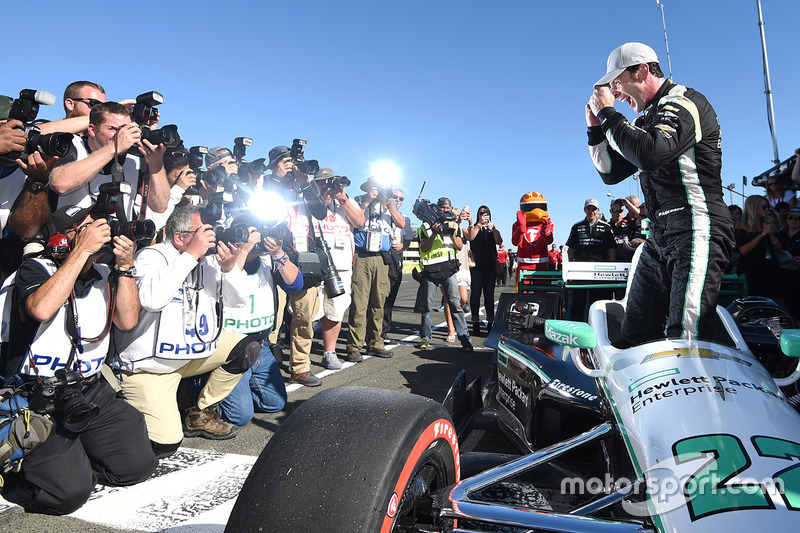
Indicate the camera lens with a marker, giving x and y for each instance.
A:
(137, 230)
(77, 411)
(59, 144)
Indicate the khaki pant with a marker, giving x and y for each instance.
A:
(305, 305)
(155, 395)
(369, 291)
(273, 336)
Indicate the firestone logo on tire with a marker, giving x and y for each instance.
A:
(393, 503)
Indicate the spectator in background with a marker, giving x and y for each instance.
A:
(483, 239)
(736, 214)
(590, 239)
(777, 192)
(790, 265)
(782, 209)
(401, 240)
(736, 219)
(554, 258)
(502, 260)
(621, 228)
(758, 247)
(796, 167)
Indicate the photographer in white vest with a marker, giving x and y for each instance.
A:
(179, 334)
(59, 335)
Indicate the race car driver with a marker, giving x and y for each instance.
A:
(675, 146)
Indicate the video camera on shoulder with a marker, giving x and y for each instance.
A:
(144, 112)
(26, 109)
(307, 167)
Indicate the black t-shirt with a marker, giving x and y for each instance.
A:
(591, 242)
(484, 249)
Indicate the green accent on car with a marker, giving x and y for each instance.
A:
(569, 333)
(790, 342)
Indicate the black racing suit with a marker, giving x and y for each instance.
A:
(675, 144)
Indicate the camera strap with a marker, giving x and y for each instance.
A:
(72, 322)
(218, 307)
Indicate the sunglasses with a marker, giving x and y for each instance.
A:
(91, 102)
(616, 210)
(401, 198)
(792, 217)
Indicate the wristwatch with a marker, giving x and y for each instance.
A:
(36, 186)
(130, 273)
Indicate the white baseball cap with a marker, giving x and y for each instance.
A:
(627, 55)
(591, 201)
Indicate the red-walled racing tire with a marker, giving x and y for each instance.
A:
(352, 459)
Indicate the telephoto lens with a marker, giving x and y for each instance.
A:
(333, 284)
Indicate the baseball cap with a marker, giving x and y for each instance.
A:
(444, 200)
(625, 56)
(65, 218)
(276, 154)
(794, 210)
(591, 201)
(5, 106)
(215, 154)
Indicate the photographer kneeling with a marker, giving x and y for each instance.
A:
(179, 334)
(57, 346)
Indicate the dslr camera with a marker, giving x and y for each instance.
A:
(247, 169)
(213, 177)
(110, 206)
(61, 394)
(144, 112)
(307, 167)
(26, 109)
(215, 213)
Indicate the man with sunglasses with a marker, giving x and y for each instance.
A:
(110, 136)
(81, 96)
(675, 146)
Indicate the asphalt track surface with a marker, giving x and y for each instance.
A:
(195, 491)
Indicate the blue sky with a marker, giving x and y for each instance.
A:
(483, 100)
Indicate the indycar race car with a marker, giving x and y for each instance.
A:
(678, 435)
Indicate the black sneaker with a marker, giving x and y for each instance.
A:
(380, 352)
(467, 346)
(476, 329)
(353, 356)
(306, 378)
(387, 340)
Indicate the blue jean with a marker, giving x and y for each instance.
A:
(260, 389)
(450, 286)
(483, 283)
